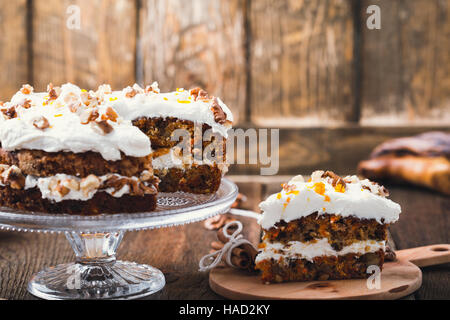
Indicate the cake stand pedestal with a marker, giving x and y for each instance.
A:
(96, 274)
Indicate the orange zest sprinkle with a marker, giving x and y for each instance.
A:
(327, 198)
(279, 196)
(340, 188)
(319, 187)
(183, 101)
(165, 98)
(113, 99)
(294, 192)
(83, 90)
(288, 200)
(58, 115)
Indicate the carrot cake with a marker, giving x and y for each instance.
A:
(326, 228)
(188, 131)
(67, 151)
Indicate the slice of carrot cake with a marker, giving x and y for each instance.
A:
(188, 131)
(66, 151)
(327, 228)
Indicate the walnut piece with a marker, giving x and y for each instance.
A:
(27, 89)
(14, 178)
(41, 123)
(62, 190)
(199, 94)
(219, 116)
(88, 116)
(335, 179)
(26, 104)
(104, 126)
(89, 184)
(53, 92)
(111, 114)
(72, 184)
(10, 113)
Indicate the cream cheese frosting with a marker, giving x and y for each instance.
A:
(310, 250)
(63, 130)
(174, 158)
(179, 104)
(44, 184)
(359, 198)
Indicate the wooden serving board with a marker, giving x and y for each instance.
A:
(398, 279)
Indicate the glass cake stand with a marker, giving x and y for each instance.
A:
(96, 274)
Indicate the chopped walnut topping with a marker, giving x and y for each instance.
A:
(219, 116)
(53, 92)
(88, 116)
(62, 190)
(104, 126)
(335, 179)
(288, 187)
(383, 191)
(27, 89)
(103, 90)
(146, 175)
(130, 92)
(199, 93)
(89, 184)
(85, 97)
(3, 168)
(316, 176)
(26, 104)
(115, 182)
(10, 113)
(111, 114)
(72, 184)
(41, 123)
(14, 178)
(152, 88)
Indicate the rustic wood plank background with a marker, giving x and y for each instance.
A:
(301, 62)
(311, 68)
(406, 64)
(102, 50)
(13, 47)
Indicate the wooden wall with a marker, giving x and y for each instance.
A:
(309, 67)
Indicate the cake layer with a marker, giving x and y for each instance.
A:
(161, 131)
(199, 179)
(316, 248)
(71, 120)
(348, 266)
(327, 193)
(195, 105)
(340, 231)
(101, 202)
(41, 163)
(61, 187)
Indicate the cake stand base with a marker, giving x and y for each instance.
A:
(74, 281)
(96, 274)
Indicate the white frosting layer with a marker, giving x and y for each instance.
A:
(310, 250)
(178, 104)
(66, 132)
(43, 184)
(304, 198)
(173, 159)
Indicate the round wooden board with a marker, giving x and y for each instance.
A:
(398, 279)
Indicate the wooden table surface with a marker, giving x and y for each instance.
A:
(176, 251)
